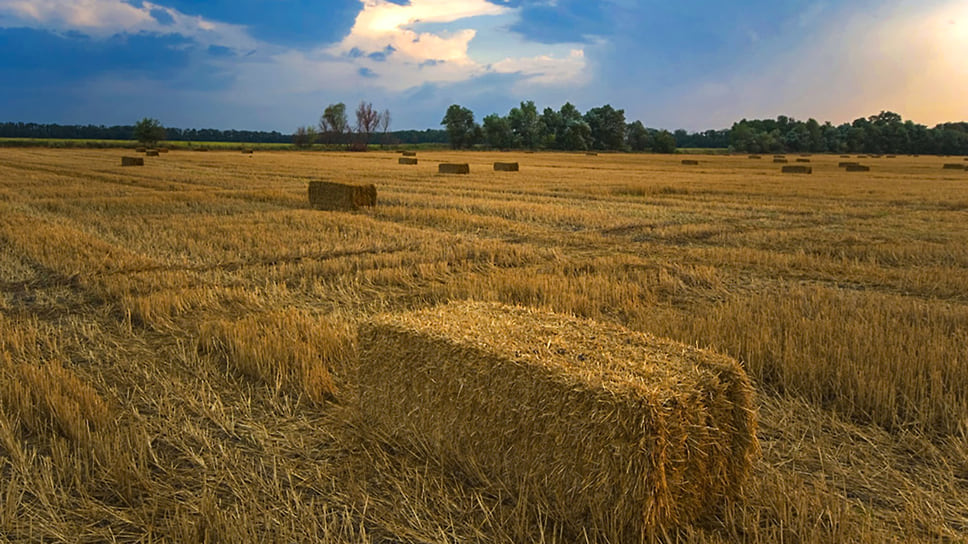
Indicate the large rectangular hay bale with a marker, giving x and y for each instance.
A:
(328, 195)
(454, 168)
(132, 161)
(602, 428)
(954, 166)
(690, 162)
(857, 168)
(506, 167)
(797, 169)
(407, 160)
(409, 153)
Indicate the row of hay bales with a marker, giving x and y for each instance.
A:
(602, 429)
(462, 168)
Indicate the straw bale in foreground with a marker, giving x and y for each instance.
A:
(407, 160)
(328, 195)
(797, 169)
(454, 168)
(132, 161)
(602, 428)
(506, 167)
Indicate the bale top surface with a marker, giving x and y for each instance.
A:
(596, 354)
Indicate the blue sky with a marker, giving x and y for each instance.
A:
(276, 64)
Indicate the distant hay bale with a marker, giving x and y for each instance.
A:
(779, 160)
(506, 167)
(591, 154)
(779, 156)
(861, 156)
(803, 160)
(151, 153)
(845, 156)
(132, 161)
(954, 166)
(409, 153)
(246, 151)
(845, 164)
(857, 168)
(140, 149)
(891, 156)
(755, 157)
(797, 169)
(162, 150)
(407, 160)
(454, 168)
(602, 428)
(328, 195)
(690, 162)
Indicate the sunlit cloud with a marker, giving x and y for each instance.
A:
(909, 60)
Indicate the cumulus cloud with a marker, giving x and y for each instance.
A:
(908, 59)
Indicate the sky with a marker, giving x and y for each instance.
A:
(277, 64)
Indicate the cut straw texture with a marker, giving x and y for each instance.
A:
(328, 195)
(132, 161)
(797, 169)
(604, 429)
(506, 167)
(454, 168)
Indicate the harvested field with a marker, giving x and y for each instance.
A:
(845, 164)
(180, 358)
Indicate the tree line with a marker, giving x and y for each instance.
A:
(603, 128)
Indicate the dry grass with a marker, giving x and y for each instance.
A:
(164, 334)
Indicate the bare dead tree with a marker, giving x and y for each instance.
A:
(385, 125)
(367, 120)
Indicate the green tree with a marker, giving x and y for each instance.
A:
(608, 127)
(638, 137)
(664, 142)
(525, 124)
(462, 131)
(497, 132)
(149, 131)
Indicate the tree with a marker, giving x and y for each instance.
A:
(367, 119)
(638, 137)
(462, 131)
(385, 125)
(524, 124)
(333, 122)
(664, 142)
(497, 132)
(149, 131)
(608, 127)
(305, 136)
(576, 134)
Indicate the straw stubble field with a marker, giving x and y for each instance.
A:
(178, 350)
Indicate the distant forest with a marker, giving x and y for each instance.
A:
(601, 128)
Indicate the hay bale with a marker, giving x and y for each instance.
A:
(857, 168)
(797, 169)
(845, 156)
(132, 161)
(162, 150)
(954, 166)
(454, 168)
(506, 167)
(407, 160)
(246, 151)
(591, 154)
(755, 157)
(597, 426)
(861, 156)
(140, 149)
(803, 160)
(690, 162)
(328, 195)
(779, 160)
(151, 153)
(891, 156)
(409, 153)
(779, 156)
(845, 164)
